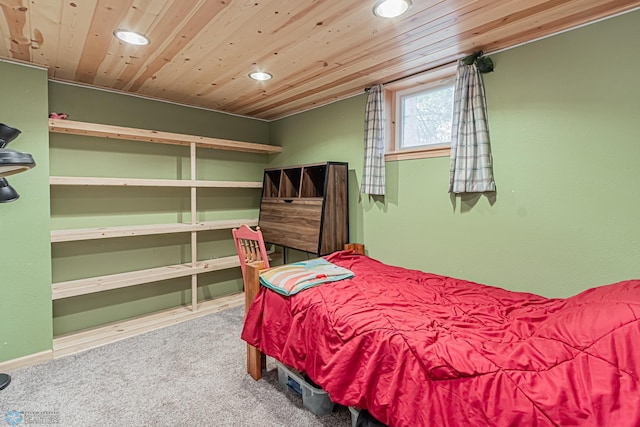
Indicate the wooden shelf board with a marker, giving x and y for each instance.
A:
(139, 182)
(144, 230)
(132, 278)
(145, 135)
(75, 342)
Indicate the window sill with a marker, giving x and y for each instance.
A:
(422, 153)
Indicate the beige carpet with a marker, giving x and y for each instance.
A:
(189, 374)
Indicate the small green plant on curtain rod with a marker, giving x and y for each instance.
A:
(484, 63)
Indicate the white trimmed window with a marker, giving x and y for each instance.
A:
(420, 112)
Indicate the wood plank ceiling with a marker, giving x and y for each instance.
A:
(318, 51)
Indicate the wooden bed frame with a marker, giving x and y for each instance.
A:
(256, 360)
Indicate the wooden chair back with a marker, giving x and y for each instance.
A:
(250, 247)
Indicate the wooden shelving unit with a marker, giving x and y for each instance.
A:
(97, 336)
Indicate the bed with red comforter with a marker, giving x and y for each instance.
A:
(419, 349)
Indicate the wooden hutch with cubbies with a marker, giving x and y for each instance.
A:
(305, 207)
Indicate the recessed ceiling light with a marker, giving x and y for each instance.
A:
(261, 76)
(131, 37)
(391, 8)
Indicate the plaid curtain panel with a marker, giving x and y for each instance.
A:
(373, 172)
(471, 162)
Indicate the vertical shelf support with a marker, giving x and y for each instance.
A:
(194, 235)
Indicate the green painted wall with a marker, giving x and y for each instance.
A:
(563, 120)
(25, 278)
(80, 207)
(563, 113)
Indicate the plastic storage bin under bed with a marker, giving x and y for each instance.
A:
(314, 399)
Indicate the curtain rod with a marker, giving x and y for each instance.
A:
(471, 56)
(417, 73)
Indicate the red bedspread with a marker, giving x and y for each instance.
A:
(418, 349)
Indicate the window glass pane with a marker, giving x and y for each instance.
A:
(426, 117)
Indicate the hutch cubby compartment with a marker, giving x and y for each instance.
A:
(290, 183)
(313, 181)
(305, 207)
(271, 186)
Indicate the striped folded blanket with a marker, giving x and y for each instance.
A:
(290, 279)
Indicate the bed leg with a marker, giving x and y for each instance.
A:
(256, 361)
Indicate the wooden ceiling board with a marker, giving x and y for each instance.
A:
(319, 51)
(160, 34)
(141, 16)
(106, 17)
(206, 12)
(71, 36)
(45, 19)
(5, 44)
(19, 28)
